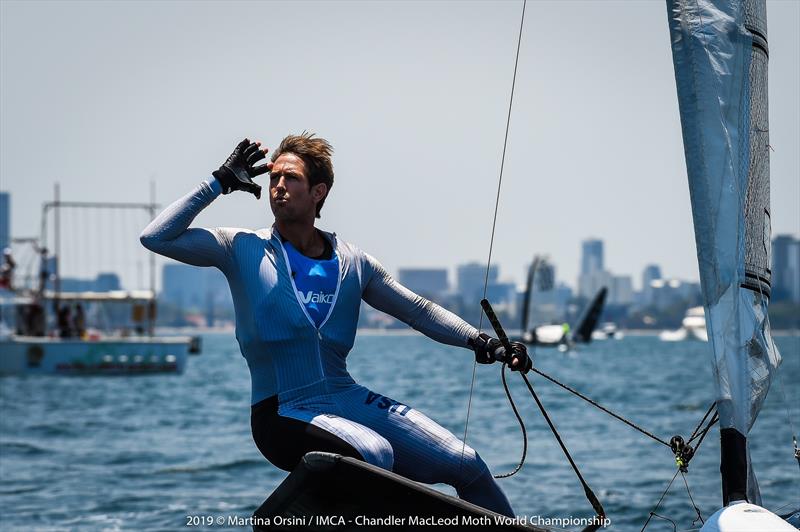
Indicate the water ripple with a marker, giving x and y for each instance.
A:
(142, 453)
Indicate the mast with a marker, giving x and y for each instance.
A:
(720, 54)
(151, 310)
(57, 243)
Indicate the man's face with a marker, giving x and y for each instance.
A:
(289, 196)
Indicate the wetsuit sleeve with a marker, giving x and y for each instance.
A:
(169, 234)
(382, 292)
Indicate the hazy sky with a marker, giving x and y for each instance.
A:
(104, 97)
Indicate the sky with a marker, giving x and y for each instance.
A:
(107, 97)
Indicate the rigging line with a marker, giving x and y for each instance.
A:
(601, 407)
(696, 509)
(697, 428)
(586, 489)
(653, 511)
(703, 435)
(590, 496)
(665, 518)
(494, 225)
(521, 425)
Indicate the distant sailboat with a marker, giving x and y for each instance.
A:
(560, 335)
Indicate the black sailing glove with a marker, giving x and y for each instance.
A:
(520, 361)
(488, 349)
(238, 171)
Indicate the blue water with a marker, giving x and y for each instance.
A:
(143, 453)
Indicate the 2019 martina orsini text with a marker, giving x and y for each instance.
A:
(301, 522)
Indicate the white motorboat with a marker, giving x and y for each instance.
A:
(693, 327)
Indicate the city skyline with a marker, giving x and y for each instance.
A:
(591, 266)
(416, 117)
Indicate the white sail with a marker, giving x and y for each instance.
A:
(720, 56)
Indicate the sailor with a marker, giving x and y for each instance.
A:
(297, 292)
(7, 270)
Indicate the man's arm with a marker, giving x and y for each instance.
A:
(384, 293)
(169, 234)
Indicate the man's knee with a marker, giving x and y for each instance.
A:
(378, 451)
(470, 466)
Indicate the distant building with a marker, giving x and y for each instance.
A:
(671, 292)
(651, 273)
(197, 289)
(545, 277)
(593, 276)
(620, 291)
(5, 220)
(502, 296)
(591, 283)
(104, 282)
(181, 285)
(785, 269)
(591, 256)
(427, 282)
(470, 279)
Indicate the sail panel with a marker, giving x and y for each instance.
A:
(720, 57)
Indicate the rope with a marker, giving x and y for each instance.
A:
(590, 496)
(665, 518)
(705, 431)
(521, 426)
(694, 432)
(653, 511)
(696, 509)
(494, 224)
(586, 489)
(601, 407)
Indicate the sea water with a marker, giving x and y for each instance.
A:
(174, 452)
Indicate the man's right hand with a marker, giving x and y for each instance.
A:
(238, 171)
(487, 349)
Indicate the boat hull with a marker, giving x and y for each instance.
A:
(742, 516)
(332, 492)
(20, 355)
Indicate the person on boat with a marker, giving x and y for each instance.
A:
(64, 321)
(79, 321)
(7, 270)
(297, 291)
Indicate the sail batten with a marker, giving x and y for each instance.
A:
(720, 55)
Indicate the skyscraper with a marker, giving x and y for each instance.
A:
(5, 220)
(651, 273)
(593, 275)
(785, 269)
(591, 256)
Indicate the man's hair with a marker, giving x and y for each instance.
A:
(316, 154)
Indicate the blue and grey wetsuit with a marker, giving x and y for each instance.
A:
(298, 366)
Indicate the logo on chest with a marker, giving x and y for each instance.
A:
(315, 297)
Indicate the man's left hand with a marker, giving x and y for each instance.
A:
(520, 361)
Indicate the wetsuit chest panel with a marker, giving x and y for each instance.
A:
(316, 282)
(344, 317)
(272, 313)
